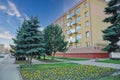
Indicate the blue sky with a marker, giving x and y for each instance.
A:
(13, 12)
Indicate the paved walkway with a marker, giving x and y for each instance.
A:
(8, 70)
(92, 62)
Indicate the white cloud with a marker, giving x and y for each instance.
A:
(6, 35)
(41, 28)
(2, 7)
(13, 11)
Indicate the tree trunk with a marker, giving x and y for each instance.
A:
(53, 56)
(44, 56)
(39, 57)
(30, 61)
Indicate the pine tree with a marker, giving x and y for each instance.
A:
(54, 40)
(112, 33)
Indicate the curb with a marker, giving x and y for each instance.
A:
(19, 73)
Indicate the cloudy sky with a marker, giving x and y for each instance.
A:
(13, 12)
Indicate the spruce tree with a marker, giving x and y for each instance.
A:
(54, 39)
(112, 33)
(32, 39)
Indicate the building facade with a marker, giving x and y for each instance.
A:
(1, 48)
(82, 25)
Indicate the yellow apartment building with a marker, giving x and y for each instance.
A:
(82, 25)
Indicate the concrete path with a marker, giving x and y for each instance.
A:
(92, 62)
(8, 70)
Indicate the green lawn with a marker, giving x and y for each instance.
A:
(110, 61)
(75, 59)
(64, 71)
(47, 60)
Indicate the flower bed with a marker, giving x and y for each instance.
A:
(75, 72)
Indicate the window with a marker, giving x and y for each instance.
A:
(85, 5)
(78, 27)
(87, 44)
(78, 18)
(87, 23)
(86, 14)
(77, 10)
(87, 34)
(78, 36)
(79, 46)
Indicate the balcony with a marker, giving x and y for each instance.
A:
(68, 24)
(72, 30)
(68, 16)
(75, 40)
(74, 14)
(73, 22)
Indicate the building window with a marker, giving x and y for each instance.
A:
(87, 44)
(79, 36)
(87, 34)
(78, 18)
(87, 23)
(79, 46)
(78, 27)
(86, 14)
(77, 10)
(85, 4)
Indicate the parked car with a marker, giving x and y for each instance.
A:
(1, 56)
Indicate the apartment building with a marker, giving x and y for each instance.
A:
(1, 48)
(82, 25)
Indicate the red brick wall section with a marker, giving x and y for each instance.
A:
(83, 55)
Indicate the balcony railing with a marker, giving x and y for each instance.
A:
(75, 40)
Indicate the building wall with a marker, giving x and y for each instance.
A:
(1, 48)
(95, 9)
(83, 55)
(97, 25)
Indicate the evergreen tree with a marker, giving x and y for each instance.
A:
(29, 40)
(54, 40)
(32, 39)
(112, 33)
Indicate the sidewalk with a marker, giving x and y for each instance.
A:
(91, 62)
(8, 70)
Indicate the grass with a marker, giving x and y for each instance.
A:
(111, 78)
(64, 71)
(46, 66)
(65, 58)
(21, 62)
(110, 61)
(47, 60)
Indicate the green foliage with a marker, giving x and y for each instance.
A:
(54, 40)
(112, 33)
(29, 40)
